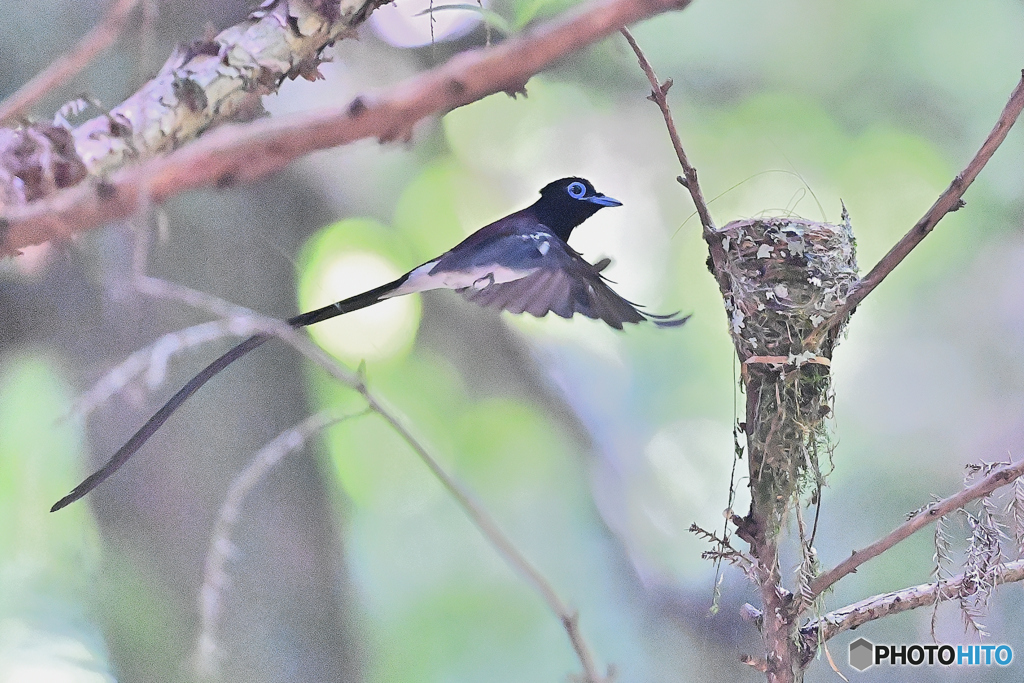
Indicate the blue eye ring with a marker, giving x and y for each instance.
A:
(576, 190)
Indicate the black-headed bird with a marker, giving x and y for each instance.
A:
(521, 263)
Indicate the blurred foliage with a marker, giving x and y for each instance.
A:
(47, 565)
(594, 449)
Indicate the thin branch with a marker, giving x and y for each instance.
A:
(245, 153)
(878, 606)
(215, 577)
(473, 509)
(153, 359)
(948, 201)
(998, 478)
(504, 545)
(101, 37)
(659, 92)
(659, 95)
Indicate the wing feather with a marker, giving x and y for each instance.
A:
(565, 284)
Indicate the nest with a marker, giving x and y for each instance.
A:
(786, 276)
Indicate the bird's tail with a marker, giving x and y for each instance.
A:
(353, 303)
(154, 423)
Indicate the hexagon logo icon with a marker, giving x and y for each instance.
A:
(862, 654)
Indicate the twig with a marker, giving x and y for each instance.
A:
(948, 201)
(659, 93)
(152, 360)
(878, 606)
(998, 478)
(474, 510)
(504, 545)
(215, 577)
(245, 153)
(101, 37)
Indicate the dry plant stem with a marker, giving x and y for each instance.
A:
(215, 577)
(998, 478)
(101, 37)
(474, 510)
(249, 322)
(948, 201)
(237, 154)
(878, 606)
(659, 92)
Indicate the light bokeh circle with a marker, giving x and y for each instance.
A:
(383, 331)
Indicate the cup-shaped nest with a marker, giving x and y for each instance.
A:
(787, 276)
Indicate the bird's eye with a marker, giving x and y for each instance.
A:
(576, 190)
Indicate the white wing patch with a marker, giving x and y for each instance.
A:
(541, 240)
(421, 279)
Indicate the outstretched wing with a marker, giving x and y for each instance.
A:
(565, 285)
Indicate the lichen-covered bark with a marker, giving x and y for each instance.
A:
(36, 160)
(210, 82)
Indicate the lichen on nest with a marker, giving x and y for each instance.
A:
(786, 276)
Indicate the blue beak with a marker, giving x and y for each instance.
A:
(601, 200)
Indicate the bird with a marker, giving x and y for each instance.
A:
(521, 263)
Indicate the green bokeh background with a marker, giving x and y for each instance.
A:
(594, 449)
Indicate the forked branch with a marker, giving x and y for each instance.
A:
(247, 322)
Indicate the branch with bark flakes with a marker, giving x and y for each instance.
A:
(998, 478)
(878, 606)
(249, 152)
(210, 82)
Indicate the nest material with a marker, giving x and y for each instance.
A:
(787, 276)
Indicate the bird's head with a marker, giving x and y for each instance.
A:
(566, 203)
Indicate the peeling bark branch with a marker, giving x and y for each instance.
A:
(101, 37)
(878, 606)
(246, 153)
(999, 478)
(948, 201)
(209, 83)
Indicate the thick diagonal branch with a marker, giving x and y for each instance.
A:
(211, 82)
(246, 153)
